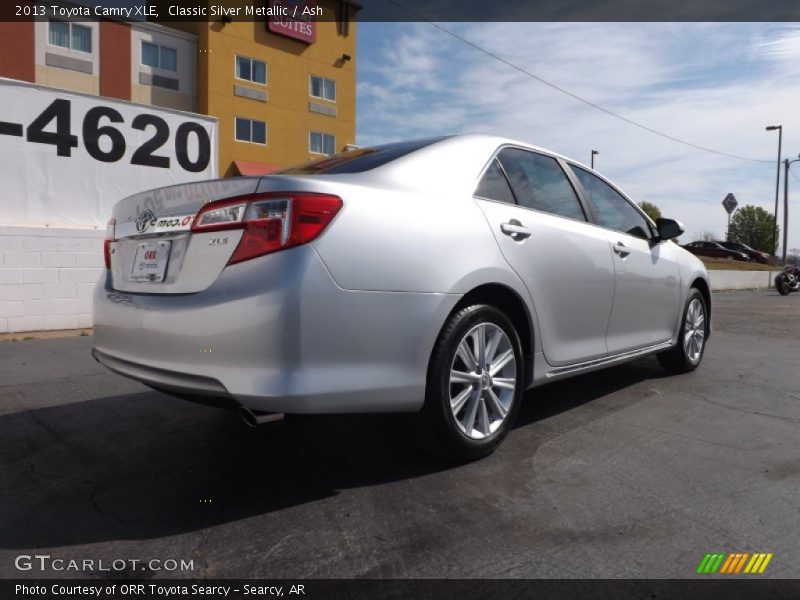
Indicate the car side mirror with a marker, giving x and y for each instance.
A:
(668, 229)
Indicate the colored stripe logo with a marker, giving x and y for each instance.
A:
(732, 563)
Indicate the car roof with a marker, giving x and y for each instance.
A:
(452, 164)
(495, 141)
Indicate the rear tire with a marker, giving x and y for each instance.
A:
(474, 385)
(782, 285)
(686, 355)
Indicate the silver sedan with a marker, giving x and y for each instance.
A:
(439, 277)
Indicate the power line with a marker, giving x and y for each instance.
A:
(573, 95)
(792, 174)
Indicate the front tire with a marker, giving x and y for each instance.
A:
(686, 355)
(474, 385)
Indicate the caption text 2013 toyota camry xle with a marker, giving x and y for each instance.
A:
(439, 277)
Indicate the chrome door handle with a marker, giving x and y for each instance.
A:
(620, 249)
(515, 230)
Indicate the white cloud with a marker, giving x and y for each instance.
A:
(716, 85)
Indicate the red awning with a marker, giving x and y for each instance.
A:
(255, 168)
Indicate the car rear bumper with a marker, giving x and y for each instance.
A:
(276, 334)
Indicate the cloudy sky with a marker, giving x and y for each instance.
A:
(715, 85)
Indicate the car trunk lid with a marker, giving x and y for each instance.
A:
(154, 249)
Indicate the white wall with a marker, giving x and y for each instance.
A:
(54, 207)
(47, 276)
(741, 280)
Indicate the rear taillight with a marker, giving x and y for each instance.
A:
(271, 222)
(110, 237)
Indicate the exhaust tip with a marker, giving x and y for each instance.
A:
(255, 419)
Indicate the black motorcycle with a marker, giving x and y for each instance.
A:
(788, 281)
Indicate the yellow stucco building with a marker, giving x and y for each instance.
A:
(284, 92)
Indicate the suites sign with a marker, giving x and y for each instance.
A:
(294, 19)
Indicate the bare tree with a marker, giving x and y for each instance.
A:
(704, 236)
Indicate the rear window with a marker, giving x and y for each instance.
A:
(358, 161)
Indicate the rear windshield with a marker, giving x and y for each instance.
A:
(360, 160)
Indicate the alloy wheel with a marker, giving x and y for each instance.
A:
(483, 379)
(694, 331)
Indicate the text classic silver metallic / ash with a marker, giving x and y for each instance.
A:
(439, 277)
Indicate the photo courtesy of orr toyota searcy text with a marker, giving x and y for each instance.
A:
(154, 590)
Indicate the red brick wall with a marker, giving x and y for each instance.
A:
(17, 60)
(115, 60)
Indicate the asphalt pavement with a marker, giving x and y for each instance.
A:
(622, 473)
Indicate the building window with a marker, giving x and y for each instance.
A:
(324, 88)
(70, 36)
(251, 69)
(321, 143)
(159, 57)
(250, 130)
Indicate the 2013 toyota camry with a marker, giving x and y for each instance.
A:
(439, 277)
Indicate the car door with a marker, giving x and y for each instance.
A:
(541, 228)
(646, 273)
(711, 250)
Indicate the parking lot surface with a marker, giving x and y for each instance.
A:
(622, 473)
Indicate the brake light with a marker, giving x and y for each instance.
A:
(110, 237)
(271, 222)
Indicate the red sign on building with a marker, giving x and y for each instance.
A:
(294, 19)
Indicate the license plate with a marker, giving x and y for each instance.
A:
(150, 263)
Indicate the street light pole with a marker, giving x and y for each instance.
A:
(777, 186)
(592, 160)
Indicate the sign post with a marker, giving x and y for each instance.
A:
(730, 205)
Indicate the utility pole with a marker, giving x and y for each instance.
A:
(786, 163)
(785, 204)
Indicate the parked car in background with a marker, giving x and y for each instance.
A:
(756, 255)
(715, 250)
(439, 277)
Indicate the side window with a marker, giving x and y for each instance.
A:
(494, 185)
(539, 182)
(612, 209)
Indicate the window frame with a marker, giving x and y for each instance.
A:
(485, 170)
(559, 161)
(251, 121)
(68, 47)
(594, 219)
(323, 78)
(237, 56)
(142, 42)
(323, 134)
